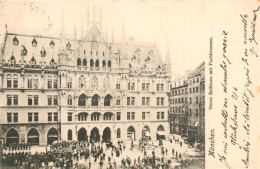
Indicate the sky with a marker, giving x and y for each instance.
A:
(178, 23)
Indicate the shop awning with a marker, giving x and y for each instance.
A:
(161, 133)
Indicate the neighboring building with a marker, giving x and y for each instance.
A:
(87, 89)
(187, 106)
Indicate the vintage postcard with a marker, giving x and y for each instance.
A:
(110, 84)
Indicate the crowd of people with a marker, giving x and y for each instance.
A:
(72, 154)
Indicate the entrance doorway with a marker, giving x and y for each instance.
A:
(94, 137)
(106, 135)
(33, 137)
(52, 136)
(131, 133)
(82, 134)
(12, 136)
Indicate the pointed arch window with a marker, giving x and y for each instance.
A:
(78, 62)
(91, 63)
(109, 64)
(30, 81)
(49, 82)
(9, 81)
(82, 100)
(55, 82)
(69, 100)
(97, 63)
(84, 62)
(104, 63)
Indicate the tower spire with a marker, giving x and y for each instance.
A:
(94, 14)
(112, 36)
(62, 30)
(168, 55)
(123, 38)
(88, 19)
(100, 20)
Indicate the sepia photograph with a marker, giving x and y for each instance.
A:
(123, 84)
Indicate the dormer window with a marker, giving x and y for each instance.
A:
(68, 46)
(103, 53)
(12, 58)
(52, 61)
(43, 52)
(15, 41)
(52, 44)
(24, 50)
(34, 42)
(33, 60)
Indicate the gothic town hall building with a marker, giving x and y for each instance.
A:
(55, 88)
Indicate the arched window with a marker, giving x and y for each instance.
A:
(82, 100)
(29, 81)
(82, 82)
(49, 82)
(107, 116)
(95, 116)
(104, 63)
(69, 82)
(94, 82)
(109, 63)
(91, 63)
(55, 82)
(36, 82)
(9, 80)
(97, 63)
(84, 62)
(107, 100)
(118, 133)
(95, 100)
(69, 134)
(69, 100)
(78, 62)
(82, 116)
(15, 81)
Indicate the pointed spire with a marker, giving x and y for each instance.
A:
(168, 55)
(100, 20)
(123, 38)
(106, 36)
(94, 14)
(88, 20)
(62, 31)
(112, 36)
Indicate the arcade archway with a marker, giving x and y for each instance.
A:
(131, 133)
(52, 136)
(106, 135)
(82, 134)
(12, 136)
(33, 137)
(94, 137)
(160, 133)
